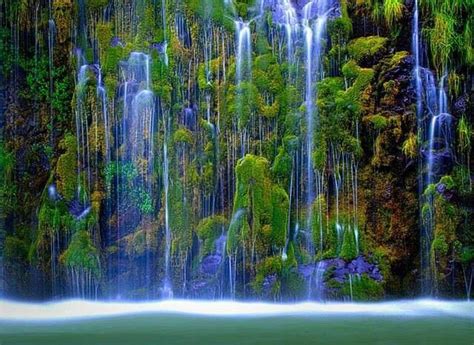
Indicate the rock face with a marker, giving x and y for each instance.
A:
(142, 122)
(209, 280)
(321, 276)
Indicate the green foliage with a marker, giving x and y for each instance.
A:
(282, 166)
(392, 10)
(363, 289)
(366, 47)
(351, 70)
(410, 146)
(81, 254)
(263, 207)
(280, 205)
(96, 4)
(214, 10)
(6, 55)
(183, 135)
(467, 255)
(242, 100)
(430, 190)
(447, 181)
(16, 249)
(180, 213)
(208, 230)
(349, 247)
(339, 109)
(111, 58)
(7, 188)
(134, 193)
(378, 121)
(38, 81)
(66, 168)
(439, 245)
(272, 265)
(104, 34)
(465, 134)
(442, 39)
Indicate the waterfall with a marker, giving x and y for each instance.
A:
(434, 127)
(308, 34)
(319, 280)
(243, 74)
(313, 46)
(134, 163)
(167, 287)
(244, 51)
(51, 37)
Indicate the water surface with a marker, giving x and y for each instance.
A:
(200, 322)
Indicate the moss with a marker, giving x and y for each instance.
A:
(280, 205)
(439, 245)
(81, 254)
(111, 83)
(180, 216)
(97, 139)
(340, 29)
(282, 166)
(349, 249)
(350, 70)
(253, 196)
(269, 266)
(363, 289)
(208, 230)
(104, 34)
(7, 188)
(15, 249)
(214, 9)
(142, 240)
(378, 121)
(112, 57)
(66, 168)
(94, 5)
(242, 100)
(183, 135)
(447, 181)
(365, 48)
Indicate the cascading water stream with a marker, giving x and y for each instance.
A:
(434, 127)
(243, 70)
(51, 36)
(308, 35)
(167, 288)
(134, 164)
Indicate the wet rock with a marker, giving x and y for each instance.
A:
(210, 264)
(189, 118)
(339, 271)
(460, 106)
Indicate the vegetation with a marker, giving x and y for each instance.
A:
(137, 173)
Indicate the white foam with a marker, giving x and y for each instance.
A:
(82, 309)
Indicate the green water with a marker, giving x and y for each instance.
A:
(185, 329)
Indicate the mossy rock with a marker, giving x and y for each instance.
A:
(208, 230)
(280, 205)
(81, 254)
(366, 51)
(66, 168)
